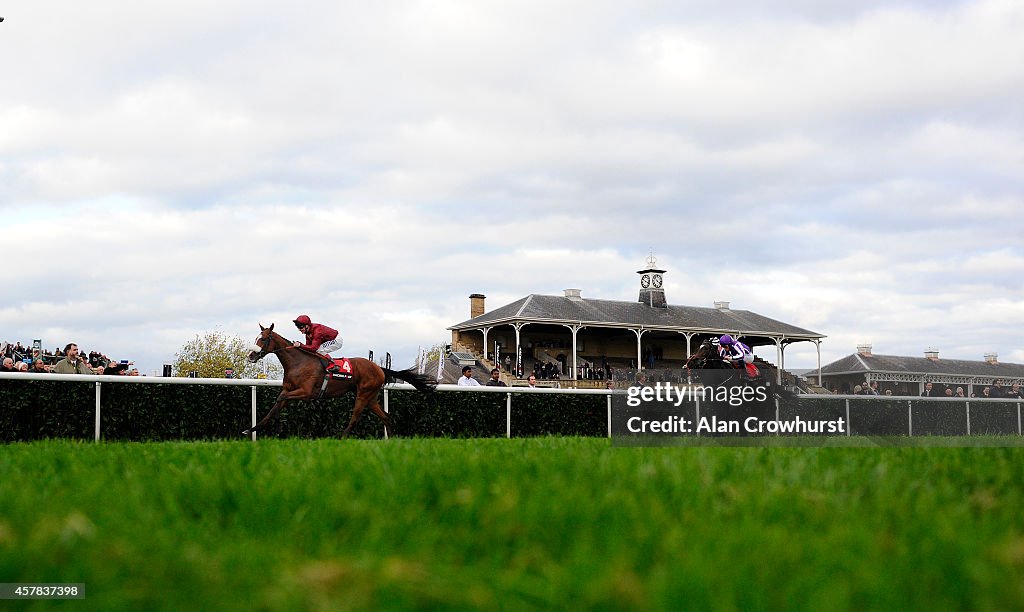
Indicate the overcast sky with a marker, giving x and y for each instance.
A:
(168, 168)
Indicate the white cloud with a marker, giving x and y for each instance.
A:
(853, 168)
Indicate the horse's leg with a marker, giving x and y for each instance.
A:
(377, 410)
(282, 401)
(356, 411)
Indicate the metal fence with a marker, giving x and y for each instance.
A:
(100, 380)
(867, 415)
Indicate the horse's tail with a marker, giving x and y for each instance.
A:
(420, 381)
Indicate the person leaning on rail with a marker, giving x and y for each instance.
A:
(495, 380)
(72, 362)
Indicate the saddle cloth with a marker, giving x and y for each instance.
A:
(344, 368)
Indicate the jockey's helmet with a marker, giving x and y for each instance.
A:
(726, 340)
(302, 320)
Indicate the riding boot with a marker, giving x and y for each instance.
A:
(332, 368)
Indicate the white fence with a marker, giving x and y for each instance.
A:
(511, 392)
(99, 380)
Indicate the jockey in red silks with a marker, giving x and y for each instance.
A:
(738, 354)
(319, 339)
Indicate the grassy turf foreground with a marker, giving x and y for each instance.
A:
(542, 522)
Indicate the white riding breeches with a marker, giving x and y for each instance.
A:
(330, 346)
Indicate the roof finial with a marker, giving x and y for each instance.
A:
(651, 260)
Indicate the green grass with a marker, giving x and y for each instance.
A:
(542, 522)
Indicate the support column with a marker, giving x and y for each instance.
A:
(639, 357)
(817, 345)
(486, 330)
(575, 330)
(519, 349)
(688, 336)
(779, 350)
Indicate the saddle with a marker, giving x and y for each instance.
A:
(340, 368)
(337, 368)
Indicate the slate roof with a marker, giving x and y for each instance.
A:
(857, 363)
(612, 313)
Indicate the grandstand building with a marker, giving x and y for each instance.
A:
(578, 333)
(908, 375)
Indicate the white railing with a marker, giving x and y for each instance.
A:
(98, 381)
(509, 392)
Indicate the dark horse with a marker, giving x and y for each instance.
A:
(706, 358)
(305, 378)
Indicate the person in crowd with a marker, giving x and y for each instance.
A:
(959, 392)
(467, 380)
(986, 393)
(888, 392)
(73, 363)
(319, 339)
(1015, 391)
(114, 368)
(495, 380)
(858, 390)
(873, 388)
(531, 382)
(21, 367)
(997, 389)
(39, 367)
(949, 392)
(7, 365)
(929, 390)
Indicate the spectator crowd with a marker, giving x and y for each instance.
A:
(999, 389)
(69, 360)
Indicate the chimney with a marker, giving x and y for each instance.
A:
(931, 354)
(864, 350)
(476, 305)
(992, 358)
(721, 305)
(574, 294)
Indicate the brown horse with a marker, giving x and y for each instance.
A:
(706, 358)
(305, 374)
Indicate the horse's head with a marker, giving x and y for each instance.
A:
(267, 342)
(707, 350)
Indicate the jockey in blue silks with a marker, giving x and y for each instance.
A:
(738, 354)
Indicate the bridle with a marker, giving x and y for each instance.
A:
(701, 356)
(264, 344)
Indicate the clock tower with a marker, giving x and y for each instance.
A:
(651, 291)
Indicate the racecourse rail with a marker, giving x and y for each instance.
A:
(510, 393)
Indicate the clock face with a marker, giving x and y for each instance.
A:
(645, 281)
(657, 280)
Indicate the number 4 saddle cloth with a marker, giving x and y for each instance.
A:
(340, 368)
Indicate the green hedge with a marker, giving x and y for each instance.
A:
(36, 409)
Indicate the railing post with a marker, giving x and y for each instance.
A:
(98, 394)
(849, 427)
(968, 418)
(910, 418)
(252, 433)
(508, 415)
(386, 412)
(609, 413)
(1018, 420)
